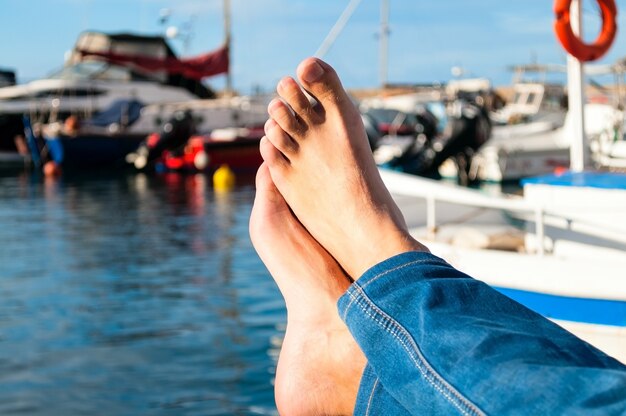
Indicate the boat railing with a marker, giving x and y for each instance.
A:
(434, 191)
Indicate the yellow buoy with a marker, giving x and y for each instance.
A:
(223, 179)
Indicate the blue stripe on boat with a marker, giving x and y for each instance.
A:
(603, 180)
(590, 311)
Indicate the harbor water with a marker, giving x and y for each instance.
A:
(131, 294)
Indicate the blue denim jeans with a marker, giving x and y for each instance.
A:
(439, 342)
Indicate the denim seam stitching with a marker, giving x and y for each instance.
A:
(369, 402)
(426, 372)
(401, 266)
(377, 277)
(398, 332)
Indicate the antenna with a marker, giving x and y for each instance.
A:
(384, 41)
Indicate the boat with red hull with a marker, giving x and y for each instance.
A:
(236, 148)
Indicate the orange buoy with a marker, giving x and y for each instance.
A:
(585, 52)
(51, 169)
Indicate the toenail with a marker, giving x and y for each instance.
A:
(314, 73)
(286, 83)
(269, 125)
(274, 105)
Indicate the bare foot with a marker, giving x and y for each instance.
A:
(320, 364)
(321, 162)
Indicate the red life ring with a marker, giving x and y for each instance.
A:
(574, 45)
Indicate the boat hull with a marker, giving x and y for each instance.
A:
(593, 309)
(206, 155)
(242, 155)
(13, 160)
(92, 150)
(560, 250)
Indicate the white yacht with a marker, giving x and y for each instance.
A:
(88, 83)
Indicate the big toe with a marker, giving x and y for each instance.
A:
(266, 191)
(269, 205)
(322, 82)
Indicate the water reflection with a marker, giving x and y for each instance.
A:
(133, 294)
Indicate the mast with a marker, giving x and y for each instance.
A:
(384, 39)
(579, 152)
(227, 39)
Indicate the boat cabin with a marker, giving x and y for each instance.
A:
(530, 100)
(105, 50)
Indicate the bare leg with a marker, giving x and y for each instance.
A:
(320, 364)
(320, 161)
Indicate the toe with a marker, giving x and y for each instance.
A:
(271, 155)
(281, 140)
(263, 180)
(284, 117)
(322, 82)
(265, 186)
(268, 204)
(295, 97)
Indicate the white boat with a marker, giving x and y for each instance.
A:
(539, 147)
(527, 137)
(609, 148)
(533, 134)
(535, 100)
(560, 249)
(88, 84)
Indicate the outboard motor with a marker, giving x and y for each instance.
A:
(468, 128)
(173, 136)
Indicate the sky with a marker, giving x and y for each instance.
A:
(270, 37)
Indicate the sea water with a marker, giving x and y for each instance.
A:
(130, 294)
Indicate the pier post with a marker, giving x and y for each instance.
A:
(579, 151)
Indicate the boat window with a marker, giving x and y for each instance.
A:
(383, 115)
(17, 98)
(388, 118)
(113, 73)
(96, 70)
(533, 98)
(553, 101)
(82, 70)
(69, 93)
(81, 92)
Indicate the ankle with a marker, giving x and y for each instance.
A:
(396, 242)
